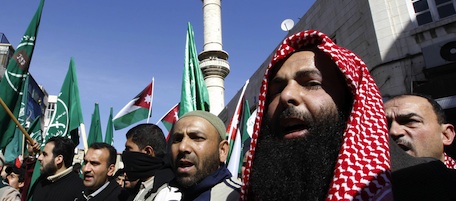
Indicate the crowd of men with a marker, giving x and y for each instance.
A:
(322, 133)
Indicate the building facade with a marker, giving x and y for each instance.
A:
(409, 46)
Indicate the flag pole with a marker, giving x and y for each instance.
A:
(84, 137)
(151, 100)
(15, 121)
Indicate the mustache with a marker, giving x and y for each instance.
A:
(292, 112)
(404, 142)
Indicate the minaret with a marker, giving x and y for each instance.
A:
(213, 59)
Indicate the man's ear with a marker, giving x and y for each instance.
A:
(111, 170)
(448, 134)
(149, 150)
(21, 184)
(223, 150)
(58, 160)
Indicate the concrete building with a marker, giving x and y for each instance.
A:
(6, 52)
(409, 46)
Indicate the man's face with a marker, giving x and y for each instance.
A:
(413, 125)
(195, 150)
(305, 87)
(47, 160)
(96, 169)
(13, 181)
(121, 180)
(131, 146)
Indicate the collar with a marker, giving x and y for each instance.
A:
(88, 197)
(54, 178)
(148, 183)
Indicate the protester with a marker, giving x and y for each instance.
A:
(3, 173)
(418, 132)
(8, 193)
(14, 183)
(57, 181)
(199, 151)
(15, 177)
(417, 123)
(144, 159)
(29, 163)
(321, 130)
(99, 166)
(119, 176)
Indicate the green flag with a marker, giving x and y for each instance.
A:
(67, 114)
(95, 134)
(13, 79)
(35, 131)
(194, 91)
(109, 136)
(15, 147)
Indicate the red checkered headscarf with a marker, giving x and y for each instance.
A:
(362, 170)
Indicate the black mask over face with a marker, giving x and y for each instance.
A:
(139, 165)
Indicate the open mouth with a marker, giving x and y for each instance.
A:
(293, 128)
(184, 166)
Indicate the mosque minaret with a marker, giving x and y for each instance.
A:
(213, 59)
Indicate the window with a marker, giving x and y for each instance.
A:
(426, 11)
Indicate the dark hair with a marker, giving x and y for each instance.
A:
(112, 151)
(148, 135)
(438, 110)
(65, 147)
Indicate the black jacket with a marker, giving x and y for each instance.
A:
(112, 192)
(68, 187)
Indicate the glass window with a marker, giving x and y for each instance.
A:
(438, 2)
(420, 6)
(427, 11)
(446, 10)
(424, 18)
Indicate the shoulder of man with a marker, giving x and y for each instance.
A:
(427, 181)
(8, 193)
(112, 192)
(229, 189)
(165, 192)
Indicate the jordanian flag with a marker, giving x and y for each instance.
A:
(135, 110)
(170, 118)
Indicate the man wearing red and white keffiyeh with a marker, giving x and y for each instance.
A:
(417, 123)
(321, 131)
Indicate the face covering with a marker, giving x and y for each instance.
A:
(139, 165)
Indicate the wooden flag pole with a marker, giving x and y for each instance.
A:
(16, 121)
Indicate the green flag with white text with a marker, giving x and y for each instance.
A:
(109, 130)
(35, 131)
(13, 79)
(95, 134)
(194, 95)
(67, 114)
(15, 147)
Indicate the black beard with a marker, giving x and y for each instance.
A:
(49, 169)
(211, 164)
(297, 169)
